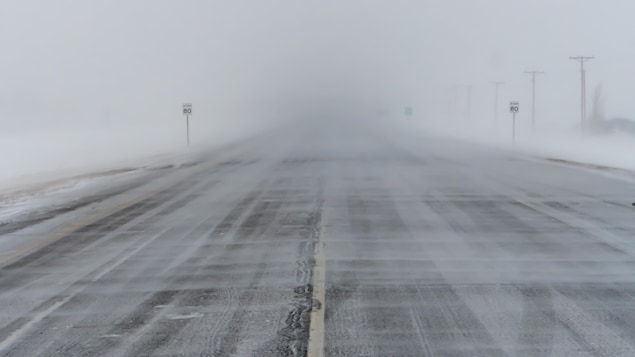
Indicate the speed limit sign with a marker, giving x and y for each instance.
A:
(513, 107)
(187, 109)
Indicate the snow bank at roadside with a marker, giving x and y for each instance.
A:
(615, 150)
(554, 142)
(36, 157)
(47, 169)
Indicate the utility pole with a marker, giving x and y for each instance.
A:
(582, 59)
(452, 102)
(496, 85)
(533, 97)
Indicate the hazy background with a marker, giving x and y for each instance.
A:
(78, 76)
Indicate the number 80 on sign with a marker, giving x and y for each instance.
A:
(187, 109)
(514, 107)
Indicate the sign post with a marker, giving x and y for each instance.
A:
(514, 107)
(187, 111)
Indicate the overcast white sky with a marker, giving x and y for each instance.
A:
(135, 62)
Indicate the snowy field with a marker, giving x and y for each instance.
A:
(44, 170)
(557, 142)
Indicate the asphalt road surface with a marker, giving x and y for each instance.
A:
(336, 239)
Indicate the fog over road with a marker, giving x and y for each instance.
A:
(372, 241)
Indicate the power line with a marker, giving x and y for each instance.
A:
(533, 97)
(582, 59)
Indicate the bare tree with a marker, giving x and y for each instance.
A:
(597, 113)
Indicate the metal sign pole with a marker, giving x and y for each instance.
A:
(514, 128)
(187, 111)
(514, 106)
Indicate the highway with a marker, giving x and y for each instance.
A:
(335, 239)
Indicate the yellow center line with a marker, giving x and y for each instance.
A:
(316, 328)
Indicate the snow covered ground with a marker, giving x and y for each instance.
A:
(47, 169)
(37, 158)
(33, 155)
(616, 150)
(45, 197)
(42, 169)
